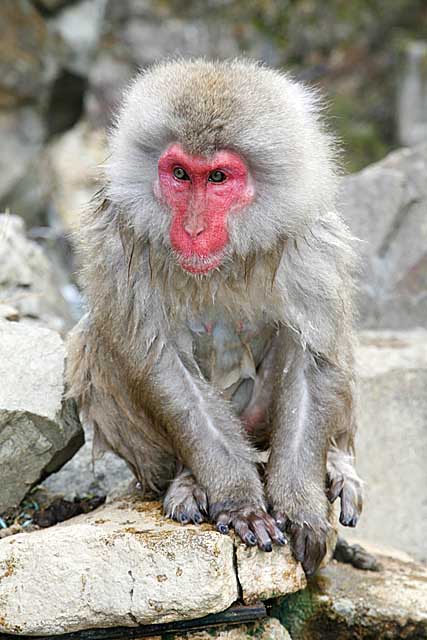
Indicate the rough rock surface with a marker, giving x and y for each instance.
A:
(391, 443)
(385, 205)
(73, 161)
(124, 564)
(137, 34)
(23, 185)
(38, 430)
(80, 476)
(28, 282)
(27, 65)
(263, 576)
(29, 56)
(343, 602)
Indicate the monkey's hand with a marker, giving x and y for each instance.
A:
(307, 527)
(251, 523)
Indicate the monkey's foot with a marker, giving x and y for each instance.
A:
(356, 555)
(252, 524)
(349, 490)
(308, 537)
(185, 501)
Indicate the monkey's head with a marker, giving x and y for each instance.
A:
(213, 161)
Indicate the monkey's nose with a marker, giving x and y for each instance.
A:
(194, 227)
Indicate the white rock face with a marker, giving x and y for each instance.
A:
(73, 161)
(385, 205)
(266, 575)
(124, 564)
(391, 443)
(38, 431)
(28, 282)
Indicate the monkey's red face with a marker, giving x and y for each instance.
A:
(202, 193)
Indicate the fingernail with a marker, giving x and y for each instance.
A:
(222, 528)
(268, 547)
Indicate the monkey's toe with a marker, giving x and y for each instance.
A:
(185, 501)
(351, 504)
(349, 490)
(254, 527)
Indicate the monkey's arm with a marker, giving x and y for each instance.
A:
(296, 470)
(314, 403)
(210, 441)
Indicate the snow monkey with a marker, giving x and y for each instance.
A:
(218, 278)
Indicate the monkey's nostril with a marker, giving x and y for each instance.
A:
(194, 229)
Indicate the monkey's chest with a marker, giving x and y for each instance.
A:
(229, 354)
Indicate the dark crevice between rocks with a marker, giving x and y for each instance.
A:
(66, 102)
(397, 224)
(132, 617)
(48, 9)
(236, 571)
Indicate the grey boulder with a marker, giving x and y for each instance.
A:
(39, 431)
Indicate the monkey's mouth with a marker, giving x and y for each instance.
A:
(200, 264)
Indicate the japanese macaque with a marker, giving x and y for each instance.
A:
(218, 278)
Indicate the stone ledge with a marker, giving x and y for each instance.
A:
(125, 565)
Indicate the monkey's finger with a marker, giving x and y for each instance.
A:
(274, 531)
(241, 527)
(315, 551)
(281, 520)
(222, 523)
(298, 540)
(259, 528)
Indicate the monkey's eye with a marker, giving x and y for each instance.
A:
(180, 173)
(217, 176)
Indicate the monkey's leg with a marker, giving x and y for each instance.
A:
(105, 404)
(296, 470)
(343, 482)
(185, 501)
(210, 441)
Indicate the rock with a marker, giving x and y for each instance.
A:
(385, 206)
(412, 95)
(27, 54)
(79, 26)
(132, 566)
(343, 602)
(82, 475)
(28, 282)
(138, 34)
(121, 565)
(263, 576)
(73, 161)
(22, 182)
(268, 629)
(39, 432)
(391, 443)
